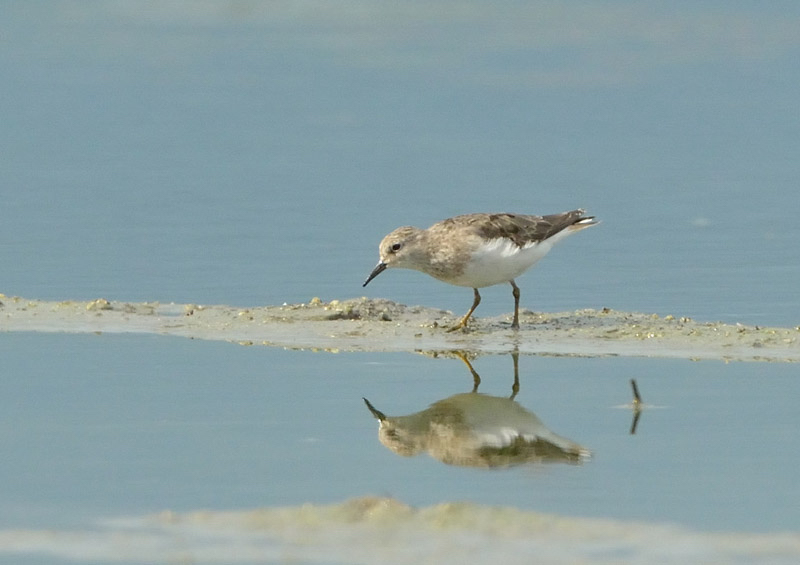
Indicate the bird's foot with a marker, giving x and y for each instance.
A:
(461, 325)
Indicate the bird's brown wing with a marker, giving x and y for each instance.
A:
(523, 229)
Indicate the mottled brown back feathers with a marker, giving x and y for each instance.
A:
(520, 228)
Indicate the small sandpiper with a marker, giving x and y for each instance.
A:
(478, 250)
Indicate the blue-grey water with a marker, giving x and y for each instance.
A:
(255, 153)
(108, 425)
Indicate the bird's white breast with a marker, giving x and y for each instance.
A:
(500, 260)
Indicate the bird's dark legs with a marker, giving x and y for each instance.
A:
(463, 322)
(515, 292)
(515, 386)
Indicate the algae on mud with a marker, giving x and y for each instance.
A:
(363, 324)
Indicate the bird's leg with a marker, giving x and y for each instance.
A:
(476, 378)
(515, 292)
(515, 386)
(463, 323)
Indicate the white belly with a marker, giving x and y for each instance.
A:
(501, 260)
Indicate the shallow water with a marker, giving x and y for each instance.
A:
(251, 153)
(247, 154)
(104, 426)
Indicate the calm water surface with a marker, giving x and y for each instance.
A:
(103, 426)
(252, 153)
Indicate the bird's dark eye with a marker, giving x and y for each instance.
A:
(396, 247)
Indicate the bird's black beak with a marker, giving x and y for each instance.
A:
(375, 412)
(379, 268)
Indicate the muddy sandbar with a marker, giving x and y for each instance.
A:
(363, 324)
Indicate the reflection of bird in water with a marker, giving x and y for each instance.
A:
(476, 430)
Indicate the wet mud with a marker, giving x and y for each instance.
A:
(363, 324)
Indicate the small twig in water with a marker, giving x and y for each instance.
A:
(637, 406)
(637, 400)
